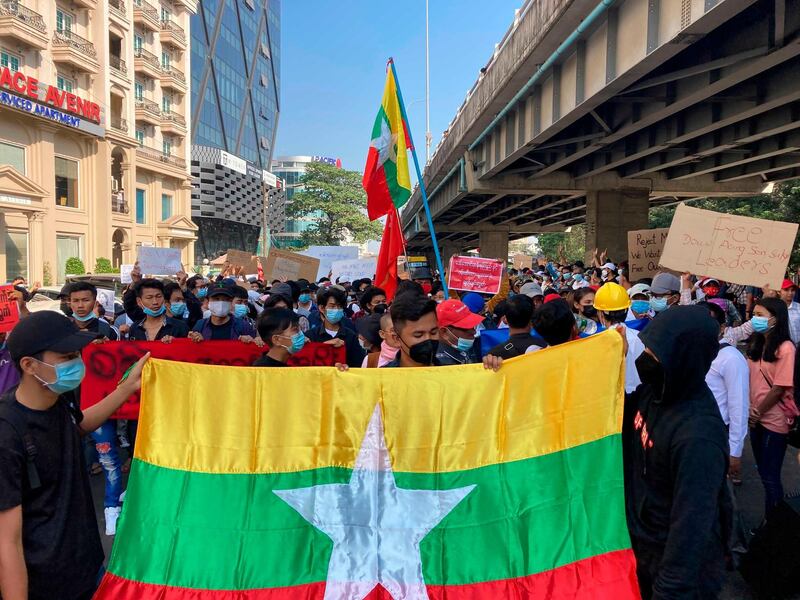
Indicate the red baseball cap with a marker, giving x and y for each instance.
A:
(788, 283)
(454, 313)
(551, 297)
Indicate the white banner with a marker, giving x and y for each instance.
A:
(328, 254)
(125, 273)
(350, 270)
(159, 261)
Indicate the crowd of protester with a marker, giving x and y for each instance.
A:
(707, 364)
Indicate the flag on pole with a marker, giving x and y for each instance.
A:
(505, 487)
(392, 245)
(386, 178)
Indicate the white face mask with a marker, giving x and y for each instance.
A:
(219, 308)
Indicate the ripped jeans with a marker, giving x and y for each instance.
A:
(105, 441)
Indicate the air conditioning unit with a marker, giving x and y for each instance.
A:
(114, 185)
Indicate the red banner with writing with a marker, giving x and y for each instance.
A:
(472, 274)
(9, 311)
(106, 363)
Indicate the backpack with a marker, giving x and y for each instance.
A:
(20, 425)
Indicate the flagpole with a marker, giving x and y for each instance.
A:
(420, 181)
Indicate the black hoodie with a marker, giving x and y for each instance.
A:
(676, 461)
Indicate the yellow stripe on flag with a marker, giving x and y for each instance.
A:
(255, 420)
(391, 106)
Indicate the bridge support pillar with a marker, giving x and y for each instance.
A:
(494, 244)
(449, 248)
(610, 214)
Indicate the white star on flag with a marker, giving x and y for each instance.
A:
(386, 144)
(375, 526)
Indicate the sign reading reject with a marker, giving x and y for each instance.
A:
(732, 248)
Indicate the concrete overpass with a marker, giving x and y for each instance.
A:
(590, 113)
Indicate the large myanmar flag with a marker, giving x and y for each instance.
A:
(386, 178)
(444, 483)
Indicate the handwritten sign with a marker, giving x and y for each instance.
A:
(470, 274)
(350, 270)
(736, 249)
(644, 252)
(247, 261)
(159, 261)
(107, 363)
(327, 255)
(522, 261)
(290, 265)
(9, 310)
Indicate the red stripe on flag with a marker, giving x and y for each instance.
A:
(610, 576)
(379, 199)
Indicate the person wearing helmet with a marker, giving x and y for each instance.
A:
(612, 304)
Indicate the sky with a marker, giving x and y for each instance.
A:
(333, 59)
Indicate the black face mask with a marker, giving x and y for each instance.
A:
(590, 312)
(422, 352)
(380, 308)
(651, 372)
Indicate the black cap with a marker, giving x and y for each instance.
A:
(46, 330)
(220, 289)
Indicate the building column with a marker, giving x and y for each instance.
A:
(494, 244)
(450, 248)
(610, 215)
(36, 247)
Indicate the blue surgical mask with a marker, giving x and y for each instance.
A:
(334, 315)
(304, 298)
(69, 375)
(658, 304)
(202, 293)
(298, 341)
(155, 313)
(760, 324)
(464, 344)
(240, 310)
(88, 317)
(567, 276)
(640, 306)
(178, 309)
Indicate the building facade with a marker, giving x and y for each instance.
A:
(94, 150)
(235, 106)
(290, 169)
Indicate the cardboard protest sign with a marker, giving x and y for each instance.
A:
(327, 255)
(125, 273)
(290, 265)
(736, 249)
(522, 261)
(471, 274)
(644, 252)
(238, 258)
(106, 363)
(159, 261)
(106, 300)
(350, 270)
(9, 310)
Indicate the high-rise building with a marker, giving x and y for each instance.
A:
(235, 107)
(290, 169)
(94, 137)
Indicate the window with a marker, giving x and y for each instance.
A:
(64, 84)
(140, 206)
(64, 21)
(138, 90)
(67, 246)
(166, 146)
(9, 60)
(140, 137)
(66, 182)
(166, 60)
(137, 41)
(166, 206)
(12, 155)
(16, 254)
(166, 15)
(166, 103)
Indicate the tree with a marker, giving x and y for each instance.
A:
(103, 265)
(571, 244)
(74, 266)
(335, 203)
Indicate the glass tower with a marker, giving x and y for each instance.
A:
(235, 105)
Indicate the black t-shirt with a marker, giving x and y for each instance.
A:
(268, 361)
(221, 332)
(60, 539)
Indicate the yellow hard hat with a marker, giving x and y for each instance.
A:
(611, 297)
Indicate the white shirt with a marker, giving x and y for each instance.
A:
(635, 349)
(794, 322)
(729, 381)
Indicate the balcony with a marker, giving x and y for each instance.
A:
(173, 34)
(118, 66)
(147, 111)
(72, 49)
(116, 8)
(146, 62)
(119, 204)
(190, 5)
(173, 123)
(119, 124)
(174, 79)
(156, 161)
(146, 15)
(24, 25)
(85, 3)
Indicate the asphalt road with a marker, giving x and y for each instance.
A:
(750, 498)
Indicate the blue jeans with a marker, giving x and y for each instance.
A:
(105, 441)
(769, 448)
